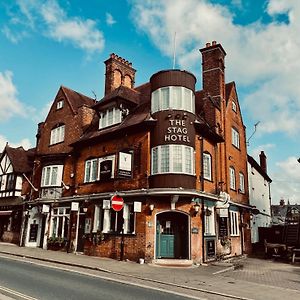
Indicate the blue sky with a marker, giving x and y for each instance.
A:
(45, 44)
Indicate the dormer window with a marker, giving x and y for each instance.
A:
(110, 117)
(57, 134)
(59, 104)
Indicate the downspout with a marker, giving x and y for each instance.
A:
(202, 189)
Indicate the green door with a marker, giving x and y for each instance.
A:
(165, 238)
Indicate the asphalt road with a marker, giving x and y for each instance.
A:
(41, 282)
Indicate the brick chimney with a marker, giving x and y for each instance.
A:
(213, 71)
(118, 72)
(213, 83)
(263, 161)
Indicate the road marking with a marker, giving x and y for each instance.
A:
(15, 293)
(105, 278)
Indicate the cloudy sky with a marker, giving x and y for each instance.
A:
(45, 44)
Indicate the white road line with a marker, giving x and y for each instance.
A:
(15, 293)
(107, 278)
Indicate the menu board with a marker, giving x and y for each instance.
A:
(223, 226)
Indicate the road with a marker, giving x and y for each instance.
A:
(41, 282)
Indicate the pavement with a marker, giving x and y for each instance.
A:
(240, 278)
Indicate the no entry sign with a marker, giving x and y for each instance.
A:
(117, 203)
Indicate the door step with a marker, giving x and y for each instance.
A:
(178, 263)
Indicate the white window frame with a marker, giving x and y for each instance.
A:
(59, 104)
(109, 117)
(52, 175)
(91, 176)
(98, 218)
(186, 154)
(207, 166)
(232, 178)
(57, 135)
(235, 136)
(178, 98)
(209, 222)
(234, 223)
(108, 227)
(242, 182)
(61, 213)
(233, 106)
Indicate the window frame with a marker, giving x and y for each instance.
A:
(234, 106)
(109, 117)
(91, 162)
(178, 98)
(65, 216)
(47, 177)
(209, 222)
(57, 134)
(112, 221)
(207, 159)
(182, 156)
(235, 137)
(232, 178)
(234, 223)
(59, 104)
(241, 182)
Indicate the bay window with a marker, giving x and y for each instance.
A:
(52, 175)
(173, 97)
(172, 159)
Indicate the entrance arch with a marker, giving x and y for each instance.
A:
(172, 235)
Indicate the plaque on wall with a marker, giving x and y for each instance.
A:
(210, 248)
(223, 226)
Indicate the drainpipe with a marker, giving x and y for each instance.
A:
(202, 189)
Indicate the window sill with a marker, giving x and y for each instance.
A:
(51, 145)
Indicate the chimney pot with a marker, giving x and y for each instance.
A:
(214, 43)
(207, 45)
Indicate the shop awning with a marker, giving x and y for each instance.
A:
(5, 212)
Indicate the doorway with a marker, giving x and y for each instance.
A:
(172, 235)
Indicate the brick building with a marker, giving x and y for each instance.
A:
(176, 156)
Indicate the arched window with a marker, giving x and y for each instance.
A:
(127, 81)
(118, 78)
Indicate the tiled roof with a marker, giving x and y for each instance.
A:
(21, 159)
(122, 92)
(76, 99)
(139, 115)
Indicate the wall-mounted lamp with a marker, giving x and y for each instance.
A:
(169, 116)
(151, 208)
(85, 209)
(196, 208)
(184, 116)
(67, 187)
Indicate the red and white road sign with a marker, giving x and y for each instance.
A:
(117, 203)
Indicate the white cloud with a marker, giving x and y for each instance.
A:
(261, 57)
(9, 102)
(286, 181)
(24, 142)
(257, 150)
(110, 19)
(14, 37)
(52, 20)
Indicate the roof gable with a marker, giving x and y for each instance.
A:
(20, 159)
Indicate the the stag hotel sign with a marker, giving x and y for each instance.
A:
(177, 131)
